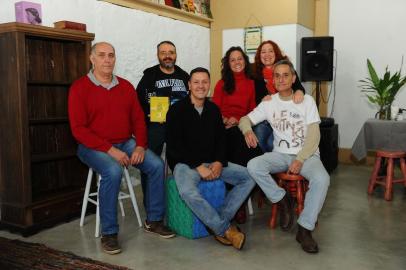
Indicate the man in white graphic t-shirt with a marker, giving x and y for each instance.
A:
(297, 135)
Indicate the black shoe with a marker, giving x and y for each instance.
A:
(286, 212)
(159, 228)
(110, 244)
(304, 237)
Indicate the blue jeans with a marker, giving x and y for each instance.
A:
(156, 140)
(187, 180)
(264, 133)
(312, 169)
(111, 172)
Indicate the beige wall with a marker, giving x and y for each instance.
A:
(239, 14)
(306, 13)
(321, 29)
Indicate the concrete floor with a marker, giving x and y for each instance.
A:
(355, 231)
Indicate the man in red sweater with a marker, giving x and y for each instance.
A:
(107, 121)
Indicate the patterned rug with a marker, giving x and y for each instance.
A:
(15, 254)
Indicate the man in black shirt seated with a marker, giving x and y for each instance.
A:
(196, 152)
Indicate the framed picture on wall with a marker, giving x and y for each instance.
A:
(252, 39)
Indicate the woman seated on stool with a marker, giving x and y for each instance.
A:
(234, 94)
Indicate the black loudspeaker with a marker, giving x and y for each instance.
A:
(317, 59)
(329, 146)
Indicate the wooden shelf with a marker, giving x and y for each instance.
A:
(163, 10)
(44, 31)
(40, 83)
(52, 156)
(58, 194)
(47, 121)
(42, 180)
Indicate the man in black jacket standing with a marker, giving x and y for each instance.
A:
(196, 152)
(163, 80)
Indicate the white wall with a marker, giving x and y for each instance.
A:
(364, 29)
(134, 33)
(287, 36)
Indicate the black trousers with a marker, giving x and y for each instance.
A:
(237, 149)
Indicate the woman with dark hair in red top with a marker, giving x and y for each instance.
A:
(234, 94)
(268, 53)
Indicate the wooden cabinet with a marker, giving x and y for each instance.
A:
(42, 180)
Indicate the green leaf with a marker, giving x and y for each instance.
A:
(372, 73)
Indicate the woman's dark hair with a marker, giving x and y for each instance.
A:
(227, 74)
(258, 64)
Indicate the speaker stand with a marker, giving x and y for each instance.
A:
(318, 89)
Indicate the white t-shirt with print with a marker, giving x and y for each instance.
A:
(289, 121)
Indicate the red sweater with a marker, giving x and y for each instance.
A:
(240, 102)
(268, 76)
(100, 117)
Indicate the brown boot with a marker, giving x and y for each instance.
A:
(286, 212)
(110, 244)
(304, 237)
(222, 240)
(236, 238)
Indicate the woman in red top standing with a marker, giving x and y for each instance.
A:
(234, 94)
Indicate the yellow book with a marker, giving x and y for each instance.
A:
(159, 108)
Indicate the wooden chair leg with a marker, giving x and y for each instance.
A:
(274, 215)
(403, 169)
(389, 180)
(261, 198)
(372, 180)
(274, 211)
(300, 196)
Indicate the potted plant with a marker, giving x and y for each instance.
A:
(382, 91)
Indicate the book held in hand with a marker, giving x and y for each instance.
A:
(158, 108)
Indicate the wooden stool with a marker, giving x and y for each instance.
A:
(387, 181)
(296, 186)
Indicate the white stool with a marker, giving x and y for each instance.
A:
(122, 195)
(250, 209)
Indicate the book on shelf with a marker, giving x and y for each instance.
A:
(169, 3)
(205, 6)
(188, 6)
(70, 25)
(198, 7)
(158, 108)
(176, 4)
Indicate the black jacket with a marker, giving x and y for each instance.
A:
(156, 83)
(261, 91)
(194, 139)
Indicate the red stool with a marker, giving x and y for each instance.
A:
(296, 185)
(387, 181)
